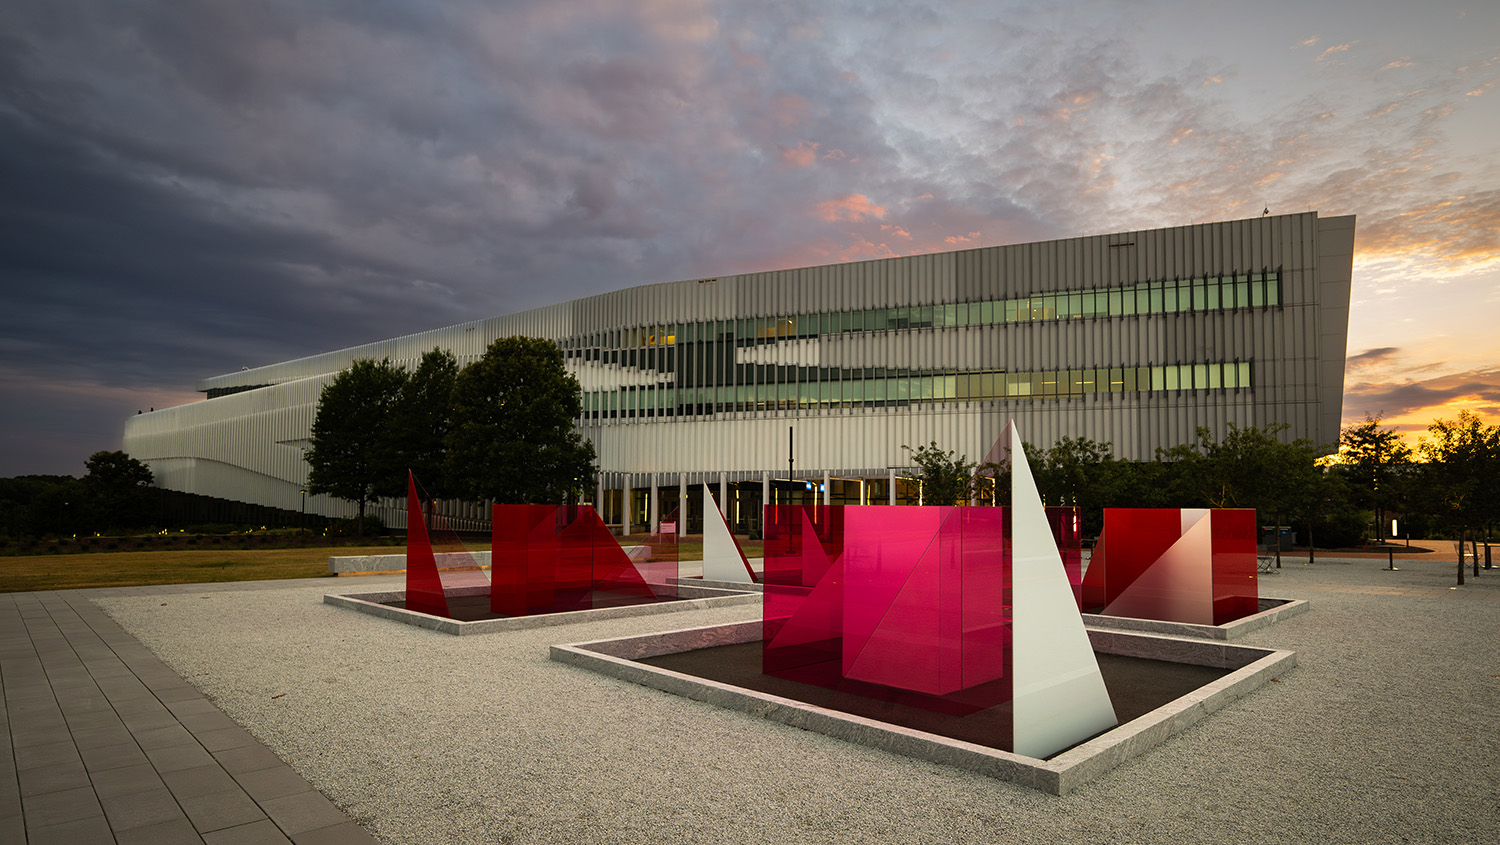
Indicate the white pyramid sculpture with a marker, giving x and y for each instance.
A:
(1058, 695)
(722, 558)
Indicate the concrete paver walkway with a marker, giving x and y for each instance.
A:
(101, 742)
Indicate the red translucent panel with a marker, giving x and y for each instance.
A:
(1174, 565)
(1067, 531)
(907, 605)
(1236, 592)
(549, 559)
(437, 562)
(1132, 540)
(424, 589)
(656, 559)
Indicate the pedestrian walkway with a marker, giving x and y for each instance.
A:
(102, 742)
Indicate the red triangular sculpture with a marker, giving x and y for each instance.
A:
(424, 588)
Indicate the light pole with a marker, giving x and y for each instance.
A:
(304, 511)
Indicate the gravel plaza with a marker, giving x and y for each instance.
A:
(1384, 732)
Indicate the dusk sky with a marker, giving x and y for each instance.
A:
(194, 186)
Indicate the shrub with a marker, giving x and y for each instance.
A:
(1342, 529)
(373, 527)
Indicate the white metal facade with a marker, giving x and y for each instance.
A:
(932, 366)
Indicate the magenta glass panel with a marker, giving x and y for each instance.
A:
(906, 605)
(802, 620)
(896, 564)
(424, 589)
(1236, 592)
(1067, 531)
(985, 599)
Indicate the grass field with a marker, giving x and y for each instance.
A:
(22, 573)
(127, 569)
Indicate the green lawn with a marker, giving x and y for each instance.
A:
(201, 566)
(129, 569)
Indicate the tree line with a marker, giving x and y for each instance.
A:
(112, 495)
(1448, 484)
(501, 428)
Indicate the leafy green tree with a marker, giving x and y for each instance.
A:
(513, 437)
(114, 490)
(1250, 468)
(350, 456)
(1083, 473)
(1374, 461)
(947, 477)
(420, 419)
(1461, 482)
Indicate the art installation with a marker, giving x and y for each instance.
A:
(544, 559)
(434, 570)
(723, 559)
(557, 558)
(945, 608)
(1067, 531)
(1192, 565)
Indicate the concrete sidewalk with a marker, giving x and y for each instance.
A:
(104, 743)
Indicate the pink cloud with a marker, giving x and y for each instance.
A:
(805, 154)
(789, 109)
(853, 208)
(962, 240)
(1333, 51)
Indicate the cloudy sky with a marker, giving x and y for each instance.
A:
(193, 186)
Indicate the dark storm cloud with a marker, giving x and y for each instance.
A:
(192, 187)
(195, 187)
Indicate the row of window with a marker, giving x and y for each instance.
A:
(664, 400)
(1211, 293)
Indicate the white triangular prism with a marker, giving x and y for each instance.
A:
(722, 559)
(1058, 695)
(1179, 586)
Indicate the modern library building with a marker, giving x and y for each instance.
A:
(806, 384)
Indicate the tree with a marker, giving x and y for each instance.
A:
(350, 456)
(1372, 459)
(35, 505)
(947, 477)
(513, 437)
(114, 489)
(419, 423)
(1250, 468)
(1083, 473)
(1462, 475)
